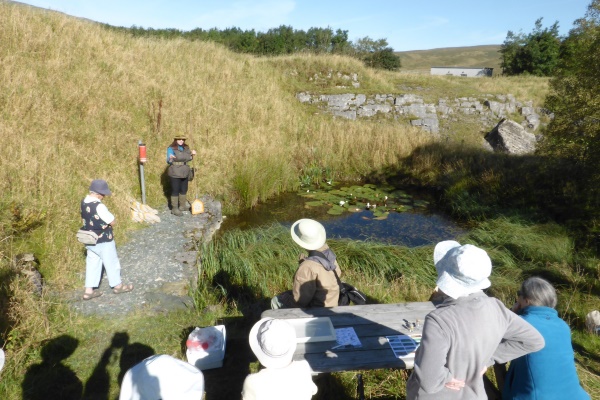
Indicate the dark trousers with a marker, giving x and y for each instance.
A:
(178, 186)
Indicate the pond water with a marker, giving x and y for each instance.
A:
(402, 223)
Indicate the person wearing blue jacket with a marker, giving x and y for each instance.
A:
(549, 373)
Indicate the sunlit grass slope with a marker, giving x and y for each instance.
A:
(471, 56)
(76, 99)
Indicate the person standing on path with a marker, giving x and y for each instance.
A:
(97, 218)
(178, 156)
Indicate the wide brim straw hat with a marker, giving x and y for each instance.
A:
(273, 342)
(309, 234)
(462, 270)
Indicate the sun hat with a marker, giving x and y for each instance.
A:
(101, 187)
(273, 342)
(162, 377)
(308, 233)
(462, 270)
(180, 137)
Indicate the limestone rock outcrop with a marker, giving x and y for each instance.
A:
(510, 137)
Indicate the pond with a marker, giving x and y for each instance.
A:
(366, 212)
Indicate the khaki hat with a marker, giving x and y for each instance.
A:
(180, 137)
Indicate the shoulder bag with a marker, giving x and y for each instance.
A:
(349, 294)
(87, 237)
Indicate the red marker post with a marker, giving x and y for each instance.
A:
(142, 159)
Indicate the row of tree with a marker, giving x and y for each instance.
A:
(282, 40)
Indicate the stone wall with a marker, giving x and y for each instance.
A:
(411, 107)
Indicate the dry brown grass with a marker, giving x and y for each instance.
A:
(77, 98)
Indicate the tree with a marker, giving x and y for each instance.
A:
(536, 53)
(367, 45)
(383, 59)
(574, 132)
(340, 43)
(318, 40)
(376, 53)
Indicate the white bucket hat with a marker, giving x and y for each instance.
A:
(462, 270)
(162, 377)
(309, 234)
(273, 342)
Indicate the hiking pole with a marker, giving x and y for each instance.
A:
(143, 159)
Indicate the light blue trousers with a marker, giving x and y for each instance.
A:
(98, 255)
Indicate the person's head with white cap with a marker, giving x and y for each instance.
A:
(462, 269)
(162, 377)
(273, 342)
(308, 234)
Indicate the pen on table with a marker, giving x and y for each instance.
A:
(340, 346)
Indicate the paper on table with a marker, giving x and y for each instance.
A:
(346, 337)
(404, 345)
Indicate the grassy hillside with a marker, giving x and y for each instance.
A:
(76, 99)
(473, 56)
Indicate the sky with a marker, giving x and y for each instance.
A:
(405, 24)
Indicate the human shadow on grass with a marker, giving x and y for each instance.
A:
(245, 298)
(97, 386)
(51, 379)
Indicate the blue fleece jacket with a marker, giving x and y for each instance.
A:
(549, 373)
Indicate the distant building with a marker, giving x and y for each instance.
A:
(473, 72)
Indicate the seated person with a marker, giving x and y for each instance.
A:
(467, 331)
(162, 377)
(273, 341)
(315, 282)
(549, 373)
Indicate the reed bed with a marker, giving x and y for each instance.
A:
(262, 262)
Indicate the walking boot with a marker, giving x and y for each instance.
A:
(175, 206)
(183, 203)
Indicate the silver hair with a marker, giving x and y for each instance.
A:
(539, 292)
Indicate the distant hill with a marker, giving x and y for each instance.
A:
(473, 56)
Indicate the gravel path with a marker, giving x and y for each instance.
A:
(160, 261)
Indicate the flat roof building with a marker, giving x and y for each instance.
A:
(472, 72)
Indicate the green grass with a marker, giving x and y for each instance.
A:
(474, 56)
(242, 270)
(77, 98)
